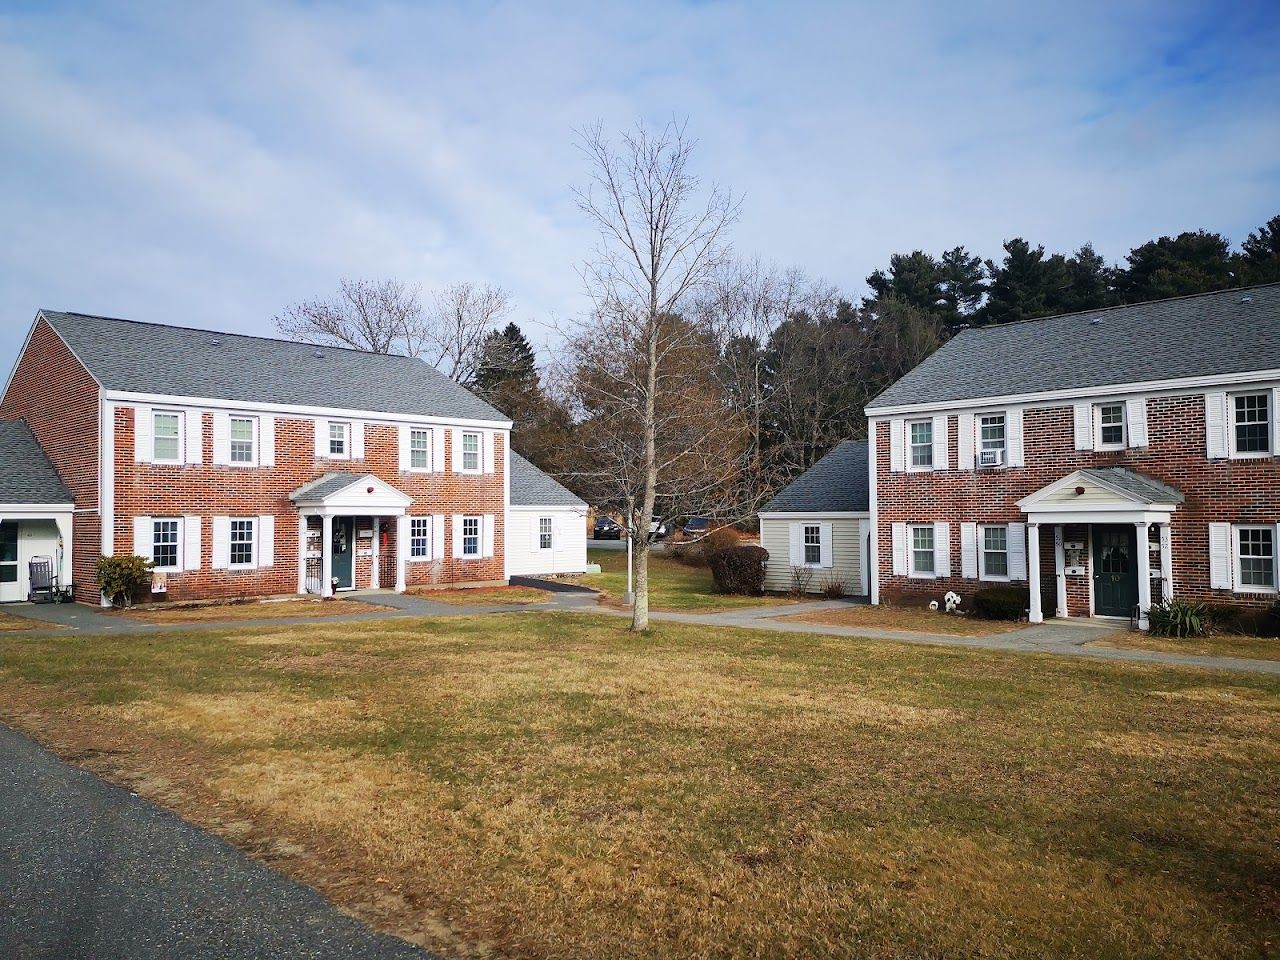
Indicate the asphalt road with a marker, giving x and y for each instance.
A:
(88, 870)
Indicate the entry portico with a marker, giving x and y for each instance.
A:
(1103, 520)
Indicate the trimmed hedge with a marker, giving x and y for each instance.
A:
(739, 570)
(1001, 603)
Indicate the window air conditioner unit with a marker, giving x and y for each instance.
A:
(991, 458)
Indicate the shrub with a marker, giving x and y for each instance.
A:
(123, 578)
(1001, 603)
(801, 577)
(832, 589)
(719, 539)
(1230, 618)
(1180, 618)
(739, 570)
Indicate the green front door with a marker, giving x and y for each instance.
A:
(343, 548)
(1115, 570)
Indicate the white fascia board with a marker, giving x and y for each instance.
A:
(1155, 513)
(299, 410)
(1181, 385)
(550, 508)
(33, 511)
(816, 515)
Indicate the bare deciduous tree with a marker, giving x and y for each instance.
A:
(460, 318)
(635, 360)
(381, 316)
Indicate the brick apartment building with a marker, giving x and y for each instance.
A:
(245, 466)
(1107, 459)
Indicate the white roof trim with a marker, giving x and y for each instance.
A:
(29, 508)
(815, 515)
(1126, 500)
(365, 493)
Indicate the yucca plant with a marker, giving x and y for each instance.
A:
(1179, 618)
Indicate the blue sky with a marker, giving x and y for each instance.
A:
(209, 164)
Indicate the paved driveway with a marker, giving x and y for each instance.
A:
(88, 870)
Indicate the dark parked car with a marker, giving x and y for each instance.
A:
(697, 527)
(607, 528)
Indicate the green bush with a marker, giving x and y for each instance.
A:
(123, 578)
(1001, 603)
(739, 570)
(1180, 618)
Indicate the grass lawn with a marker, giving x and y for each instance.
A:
(540, 785)
(1222, 645)
(914, 619)
(253, 610)
(672, 585)
(11, 623)
(485, 596)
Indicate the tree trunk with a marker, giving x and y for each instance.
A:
(648, 488)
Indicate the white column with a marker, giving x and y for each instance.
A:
(402, 551)
(1035, 614)
(1144, 572)
(302, 554)
(1166, 557)
(326, 551)
(1060, 570)
(375, 579)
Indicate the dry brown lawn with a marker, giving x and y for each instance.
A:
(486, 596)
(912, 619)
(245, 610)
(534, 785)
(11, 623)
(1221, 645)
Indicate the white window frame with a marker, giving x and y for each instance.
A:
(1004, 434)
(912, 466)
(1099, 444)
(479, 536)
(426, 451)
(805, 544)
(178, 534)
(461, 453)
(982, 552)
(254, 437)
(1236, 452)
(252, 541)
(179, 416)
(547, 533)
(1236, 579)
(345, 426)
(424, 537)
(912, 570)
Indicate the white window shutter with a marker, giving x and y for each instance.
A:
(824, 530)
(797, 548)
(266, 540)
(488, 452)
(437, 536)
(487, 526)
(1275, 422)
(456, 534)
(942, 548)
(455, 448)
(1084, 426)
(191, 544)
(322, 438)
(900, 567)
(437, 450)
(969, 551)
(142, 432)
(193, 435)
(1215, 425)
(1013, 438)
(941, 442)
(267, 440)
(1135, 412)
(357, 440)
(964, 441)
(1017, 545)
(1220, 556)
(221, 438)
(535, 534)
(143, 536)
(897, 445)
(406, 460)
(221, 558)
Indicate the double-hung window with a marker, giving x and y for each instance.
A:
(1110, 426)
(812, 544)
(243, 433)
(921, 444)
(471, 453)
(545, 533)
(243, 542)
(339, 439)
(166, 436)
(419, 538)
(1256, 558)
(1251, 423)
(922, 558)
(419, 449)
(164, 543)
(991, 438)
(471, 536)
(995, 553)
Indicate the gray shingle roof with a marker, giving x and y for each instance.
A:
(1231, 331)
(836, 483)
(180, 361)
(1147, 489)
(530, 487)
(26, 475)
(324, 485)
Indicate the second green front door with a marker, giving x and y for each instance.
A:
(343, 549)
(1115, 570)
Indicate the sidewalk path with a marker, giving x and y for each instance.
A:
(89, 870)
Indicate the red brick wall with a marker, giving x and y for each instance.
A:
(1236, 491)
(208, 491)
(54, 393)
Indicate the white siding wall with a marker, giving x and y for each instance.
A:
(569, 554)
(847, 549)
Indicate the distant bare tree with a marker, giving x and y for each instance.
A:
(649, 428)
(381, 316)
(461, 317)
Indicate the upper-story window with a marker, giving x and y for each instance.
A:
(921, 444)
(166, 437)
(419, 449)
(1251, 423)
(243, 435)
(471, 452)
(991, 440)
(1110, 426)
(339, 439)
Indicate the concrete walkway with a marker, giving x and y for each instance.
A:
(90, 870)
